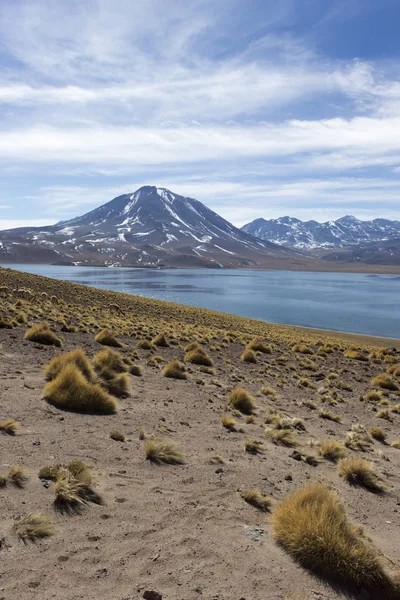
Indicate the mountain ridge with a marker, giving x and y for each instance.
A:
(149, 227)
(348, 231)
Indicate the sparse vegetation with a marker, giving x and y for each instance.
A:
(332, 450)
(242, 401)
(70, 390)
(33, 527)
(257, 499)
(107, 338)
(9, 426)
(163, 452)
(175, 370)
(360, 472)
(312, 526)
(42, 334)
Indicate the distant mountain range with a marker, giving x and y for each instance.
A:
(152, 227)
(346, 232)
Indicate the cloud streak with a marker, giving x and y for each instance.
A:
(215, 100)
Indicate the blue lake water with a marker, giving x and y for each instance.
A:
(353, 302)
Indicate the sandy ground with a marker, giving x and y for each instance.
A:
(183, 531)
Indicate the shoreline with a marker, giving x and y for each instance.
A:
(173, 310)
(345, 268)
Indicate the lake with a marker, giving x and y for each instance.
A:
(352, 302)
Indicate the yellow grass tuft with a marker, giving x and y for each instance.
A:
(9, 426)
(199, 357)
(42, 334)
(73, 488)
(229, 422)
(136, 370)
(396, 444)
(117, 436)
(312, 526)
(377, 433)
(360, 472)
(374, 396)
(330, 416)
(254, 447)
(110, 360)
(259, 345)
(163, 452)
(107, 338)
(355, 355)
(33, 527)
(281, 437)
(160, 340)
(71, 391)
(384, 381)
(248, 356)
(16, 475)
(175, 370)
(332, 450)
(242, 401)
(302, 349)
(76, 357)
(257, 499)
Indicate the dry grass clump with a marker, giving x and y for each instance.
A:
(259, 345)
(248, 356)
(160, 340)
(332, 450)
(282, 437)
(116, 385)
(357, 441)
(107, 338)
(384, 381)
(33, 527)
(269, 392)
(136, 370)
(396, 444)
(110, 360)
(76, 357)
(360, 472)
(192, 346)
(374, 396)
(9, 426)
(254, 447)
(330, 416)
(163, 452)
(312, 526)
(228, 422)
(144, 345)
(42, 334)
(73, 488)
(242, 401)
(394, 370)
(16, 475)
(199, 357)
(257, 499)
(377, 433)
(355, 355)
(175, 370)
(302, 349)
(384, 414)
(70, 390)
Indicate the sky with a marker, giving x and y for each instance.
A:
(257, 108)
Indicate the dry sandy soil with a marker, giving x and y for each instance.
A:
(183, 531)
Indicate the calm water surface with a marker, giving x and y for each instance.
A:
(357, 303)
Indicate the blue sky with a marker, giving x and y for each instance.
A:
(258, 108)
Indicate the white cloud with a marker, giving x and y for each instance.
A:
(12, 223)
(366, 139)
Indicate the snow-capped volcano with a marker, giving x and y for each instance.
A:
(150, 227)
(309, 235)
